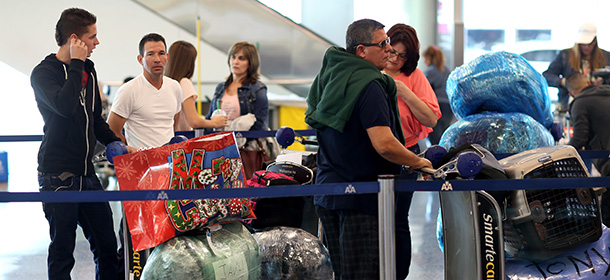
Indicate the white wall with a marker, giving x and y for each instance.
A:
(28, 30)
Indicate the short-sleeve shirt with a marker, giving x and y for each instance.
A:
(188, 91)
(349, 156)
(149, 111)
(411, 127)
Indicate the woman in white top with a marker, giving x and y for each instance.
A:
(181, 68)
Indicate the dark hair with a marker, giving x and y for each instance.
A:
(360, 31)
(72, 21)
(436, 56)
(151, 37)
(182, 60)
(254, 63)
(405, 34)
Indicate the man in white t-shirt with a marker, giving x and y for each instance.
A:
(146, 106)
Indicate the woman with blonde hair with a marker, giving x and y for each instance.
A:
(180, 67)
(584, 57)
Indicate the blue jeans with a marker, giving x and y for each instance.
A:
(95, 219)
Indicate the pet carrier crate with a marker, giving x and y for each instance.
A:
(540, 224)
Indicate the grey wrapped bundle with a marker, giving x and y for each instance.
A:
(191, 257)
(292, 253)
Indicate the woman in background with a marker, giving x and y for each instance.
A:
(242, 93)
(243, 98)
(584, 57)
(180, 67)
(417, 102)
(437, 75)
(419, 111)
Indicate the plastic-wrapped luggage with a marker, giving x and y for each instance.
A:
(499, 82)
(231, 254)
(292, 253)
(498, 132)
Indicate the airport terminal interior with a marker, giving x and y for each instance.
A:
(292, 37)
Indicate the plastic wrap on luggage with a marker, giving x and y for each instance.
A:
(499, 82)
(589, 261)
(234, 256)
(292, 253)
(498, 133)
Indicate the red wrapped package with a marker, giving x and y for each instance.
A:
(207, 162)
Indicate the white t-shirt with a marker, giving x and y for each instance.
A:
(149, 111)
(188, 91)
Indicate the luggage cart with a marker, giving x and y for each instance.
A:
(472, 228)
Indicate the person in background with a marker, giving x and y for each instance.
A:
(146, 105)
(243, 99)
(354, 110)
(419, 112)
(181, 68)
(66, 90)
(437, 75)
(590, 116)
(584, 57)
(242, 93)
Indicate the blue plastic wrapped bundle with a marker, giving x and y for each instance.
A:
(233, 255)
(498, 132)
(499, 82)
(292, 253)
(589, 261)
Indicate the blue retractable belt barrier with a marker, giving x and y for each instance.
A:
(307, 190)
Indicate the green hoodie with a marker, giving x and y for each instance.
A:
(336, 89)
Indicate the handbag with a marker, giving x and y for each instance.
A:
(253, 160)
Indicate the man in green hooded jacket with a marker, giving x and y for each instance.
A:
(353, 108)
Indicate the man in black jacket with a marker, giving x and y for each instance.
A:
(590, 118)
(66, 91)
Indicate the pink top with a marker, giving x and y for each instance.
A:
(411, 127)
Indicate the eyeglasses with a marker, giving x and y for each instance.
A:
(381, 44)
(394, 53)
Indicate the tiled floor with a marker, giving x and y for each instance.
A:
(24, 231)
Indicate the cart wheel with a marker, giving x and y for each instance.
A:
(469, 164)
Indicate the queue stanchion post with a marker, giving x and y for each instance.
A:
(387, 236)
